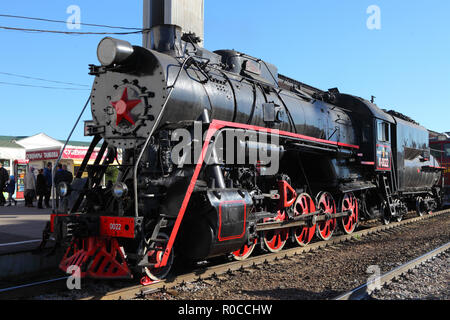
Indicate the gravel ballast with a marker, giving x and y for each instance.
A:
(326, 273)
(429, 281)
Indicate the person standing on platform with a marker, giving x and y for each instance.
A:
(68, 176)
(59, 175)
(48, 179)
(11, 189)
(58, 179)
(4, 177)
(62, 175)
(30, 188)
(41, 188)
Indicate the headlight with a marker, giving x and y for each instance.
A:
(120, 190)
(112, 51)
(63, 189)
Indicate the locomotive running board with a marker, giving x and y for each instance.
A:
(215, 126)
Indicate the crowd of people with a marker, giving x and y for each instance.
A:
(36, 187)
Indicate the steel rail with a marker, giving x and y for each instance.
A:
(33, 284)
(5, 291)
(364, 290)
(214, 271)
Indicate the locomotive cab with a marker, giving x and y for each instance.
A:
(383, 145)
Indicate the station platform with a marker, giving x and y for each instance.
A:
(20, 235)
(21, 227)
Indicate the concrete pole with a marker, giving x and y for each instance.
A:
(188, 14)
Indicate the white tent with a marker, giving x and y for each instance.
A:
(39, 142)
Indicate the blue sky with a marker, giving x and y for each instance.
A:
(325, 43)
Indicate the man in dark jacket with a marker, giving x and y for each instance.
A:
(68, 176)
(4, 177)
(48, 179)
(62, 175)
(11, 189)
(41, 187)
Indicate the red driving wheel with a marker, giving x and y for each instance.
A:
(157, 272)
(275, 240)
(304, 205)
(244, 252)
(349, 203)
(326, 228)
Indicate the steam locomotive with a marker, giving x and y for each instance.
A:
(221, 154)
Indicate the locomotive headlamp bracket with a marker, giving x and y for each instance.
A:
(92, 129)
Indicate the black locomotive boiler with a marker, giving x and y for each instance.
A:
(338, 159)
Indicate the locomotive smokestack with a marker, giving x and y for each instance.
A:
(167, 20)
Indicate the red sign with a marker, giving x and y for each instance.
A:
(383, 157)
(69, 153)
(117, 227)
(43, 155)
(21, 161)
(78, 153)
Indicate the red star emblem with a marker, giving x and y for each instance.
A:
(123, 107)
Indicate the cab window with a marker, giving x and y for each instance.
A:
(383, 132)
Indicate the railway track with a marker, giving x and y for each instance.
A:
(215, 271)
(363, 291)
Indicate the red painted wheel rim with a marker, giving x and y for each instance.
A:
(276, 239)
(157, 272)
(326, 228)
(304, 205)
(349, 203)
(244, 252)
